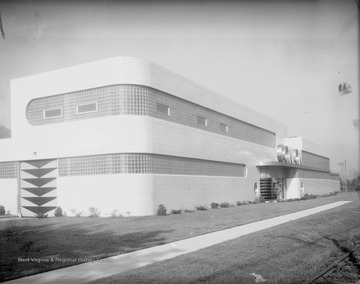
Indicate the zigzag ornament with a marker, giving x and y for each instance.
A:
(38, 187)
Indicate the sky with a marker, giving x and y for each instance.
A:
(285, 59)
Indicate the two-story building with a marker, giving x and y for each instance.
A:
(126, 134)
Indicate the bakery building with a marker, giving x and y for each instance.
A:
(126, 134)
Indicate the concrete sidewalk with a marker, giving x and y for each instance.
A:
(90, 271)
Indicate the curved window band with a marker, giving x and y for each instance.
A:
(143, 101)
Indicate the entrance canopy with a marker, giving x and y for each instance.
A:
(287, 165)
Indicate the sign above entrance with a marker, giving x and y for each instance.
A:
(288, 155)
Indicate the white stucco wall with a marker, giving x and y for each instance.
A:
(311, 186)
(320, 187)
(177, 192)
(141, 193)
(174, 139)
(293, 188)
(9, 195)
(130, 194)
(102, 135)
(126, 134)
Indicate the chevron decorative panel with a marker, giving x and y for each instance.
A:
(38, 187)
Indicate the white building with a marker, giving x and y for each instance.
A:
(126, 134)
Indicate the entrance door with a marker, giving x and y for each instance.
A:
(38, 187)
(273, 183)
(267, 189)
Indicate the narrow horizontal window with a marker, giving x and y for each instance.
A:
(164, 109)
(86, 108)
(50, 113)
(202, 121)
(224, 127)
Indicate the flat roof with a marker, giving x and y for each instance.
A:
(137, 71)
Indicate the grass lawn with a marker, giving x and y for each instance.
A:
(92, 238)
(290, 253)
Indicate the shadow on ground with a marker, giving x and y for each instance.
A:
(28, 250)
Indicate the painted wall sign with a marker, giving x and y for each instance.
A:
(288, 155)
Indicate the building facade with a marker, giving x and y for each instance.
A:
(126, 134)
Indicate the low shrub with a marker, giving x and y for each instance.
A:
(329, 194)
(161, 211)
(58, 212)
(308, 196)
(189, 211)
(305, 197)
(75, 213)
(224, 204)
(257, 200)
(2, 210)
(94, 212)
(176, 211)
(41, 215)
(201, 207)
(292, 199)
(214, 205)
(115, 213)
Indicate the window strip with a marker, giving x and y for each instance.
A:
(52, 113)
(86, 108)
